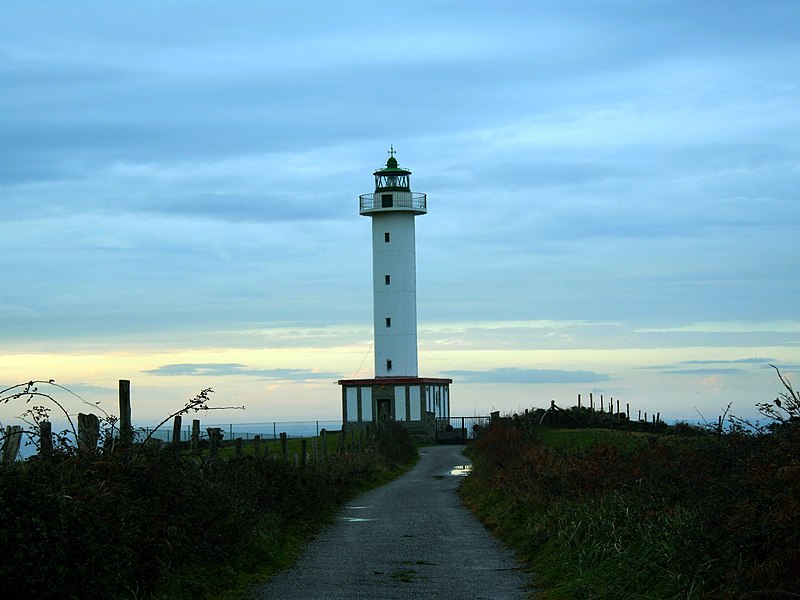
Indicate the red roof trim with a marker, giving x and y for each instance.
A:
(395, 381)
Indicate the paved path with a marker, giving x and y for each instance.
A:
(411, 538)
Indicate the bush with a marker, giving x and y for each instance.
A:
(108, 526)
(691, 516)
(393, 443)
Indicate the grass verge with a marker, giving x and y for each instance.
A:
(162, 524)
(274, 547)
(602, 515)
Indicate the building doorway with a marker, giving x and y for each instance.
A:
(384, 406)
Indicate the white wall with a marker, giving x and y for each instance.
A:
(398, 300)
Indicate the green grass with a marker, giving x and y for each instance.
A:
(601, 545)
(277, 546)
(586, 439)
(614, 514)
(160, 524)
(273, 447)
(276, 550)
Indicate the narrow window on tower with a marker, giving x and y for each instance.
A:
(388, 279)
(388, 321)
(388, 365)
(387, 237)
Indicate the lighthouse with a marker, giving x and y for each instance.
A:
(396, 392)
(393, 207)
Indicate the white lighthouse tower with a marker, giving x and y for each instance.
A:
(392, 208)
(396, 392)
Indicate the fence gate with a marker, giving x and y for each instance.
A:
(459, 430)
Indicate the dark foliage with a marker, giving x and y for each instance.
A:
(110, 525)
(712, 514)
(394, 443)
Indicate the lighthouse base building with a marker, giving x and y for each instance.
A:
(414, 401)
(396, 393)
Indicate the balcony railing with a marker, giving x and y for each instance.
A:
(415, 201)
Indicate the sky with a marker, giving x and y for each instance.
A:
(612, 200)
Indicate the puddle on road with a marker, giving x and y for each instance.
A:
(462, 470)
(355, 519)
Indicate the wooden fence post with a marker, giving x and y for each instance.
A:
(194, 441)
(11, 444)
(214, 434)
(176, 431)
(237, 447)
(579, 400)
(303, 453)
(88, 432)
(45, 437)
(315, 450)
(125, 427)
(285, 446)
(324, 437)
(256, 445)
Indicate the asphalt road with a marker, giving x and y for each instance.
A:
(411, 538)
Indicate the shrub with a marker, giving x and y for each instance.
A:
(107, 526)
(684, 516)
(393, 443)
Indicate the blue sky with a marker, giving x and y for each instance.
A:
(612, 189)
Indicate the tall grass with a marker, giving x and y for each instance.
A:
(163, 524)
(704, 516)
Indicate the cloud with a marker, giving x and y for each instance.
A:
(236, 369)
(725, 361)
(704, 372)
(627, 177)
(715, 366)
(732, 326)
(517, 375)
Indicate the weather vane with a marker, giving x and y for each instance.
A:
(391, 150)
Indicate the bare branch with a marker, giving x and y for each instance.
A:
(198, 403)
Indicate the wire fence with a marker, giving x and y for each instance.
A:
(268, 430)
(247, 431)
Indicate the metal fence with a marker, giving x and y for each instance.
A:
(247, 431)
(459, 430)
